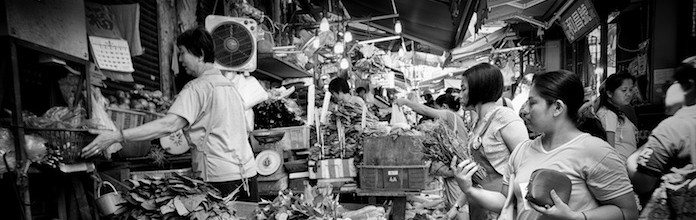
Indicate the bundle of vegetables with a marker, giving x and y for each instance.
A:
(350, 116)
(315, 203)
(176, 197)
(141, 100)
(441, 144)
(276, 113)
(59, 117)
(426, 208)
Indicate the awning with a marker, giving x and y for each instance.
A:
(272, 68)
(480, 45)
(437, 23)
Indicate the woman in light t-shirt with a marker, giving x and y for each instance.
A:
(600, 185)
(616, 93)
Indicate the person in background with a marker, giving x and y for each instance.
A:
(209, 110)
(447, 102)
(340, 91)
(496, 132)
(361, 91)
(601, 188)
(669, 155)
(615, 94)
(446, 112)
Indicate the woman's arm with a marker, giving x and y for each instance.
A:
(489, 200)
(620, 208)
(420, 108)
(151, 130)
(155, 129)
(513, 134)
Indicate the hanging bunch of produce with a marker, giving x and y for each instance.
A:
(278, 110)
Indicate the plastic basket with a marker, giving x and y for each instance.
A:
(125, 119)
(402, 178)
(69, 142)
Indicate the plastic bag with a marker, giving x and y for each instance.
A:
(6, 149)
(35, 147)
(101, 119)
(398, 120)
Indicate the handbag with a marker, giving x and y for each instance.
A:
(492, 180)
(542, 181)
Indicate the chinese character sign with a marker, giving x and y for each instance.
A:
(579, 19)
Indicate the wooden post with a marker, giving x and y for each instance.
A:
(603, 43)
(167, 29)
(22, 181)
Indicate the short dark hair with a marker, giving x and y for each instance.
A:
(612, 83)
(685, 72)
(360, 89)
(339, 85)
(485, 83)
(198, 42)
(451, 101)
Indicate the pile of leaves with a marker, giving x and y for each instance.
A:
(313, 204)
(276, 113)
(441, 144)
(350, 116)
(176, 197)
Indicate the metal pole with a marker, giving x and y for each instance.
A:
(604, 43)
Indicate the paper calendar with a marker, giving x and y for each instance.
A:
(111, 54)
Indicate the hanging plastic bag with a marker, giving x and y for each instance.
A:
(398, 120)
(102, 119)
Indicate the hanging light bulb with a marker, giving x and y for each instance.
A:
(397, 27)
(324, 25)
(347, 37)
(402, 52)
(338, 48)
(344, 63)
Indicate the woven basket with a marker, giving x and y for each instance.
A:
(69, 142)
(124, 119)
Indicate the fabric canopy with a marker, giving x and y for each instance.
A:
(429, 22)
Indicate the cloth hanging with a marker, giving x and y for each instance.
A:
(127, 20)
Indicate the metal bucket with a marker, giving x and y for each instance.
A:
(110, 202)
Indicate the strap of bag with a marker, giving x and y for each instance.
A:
(488, 123)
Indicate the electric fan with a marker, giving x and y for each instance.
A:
(234, 42)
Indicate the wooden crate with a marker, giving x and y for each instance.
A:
(295, 138)
(404, 150)
(393, 178)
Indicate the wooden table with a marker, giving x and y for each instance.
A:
(398, 198)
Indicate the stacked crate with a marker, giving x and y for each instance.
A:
(393, 164)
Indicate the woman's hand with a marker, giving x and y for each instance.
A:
(440, 169)
(101, 142)
(400, 101)
(559, 210)
(463, 173)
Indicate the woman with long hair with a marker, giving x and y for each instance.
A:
(600, 185)
(615, 94)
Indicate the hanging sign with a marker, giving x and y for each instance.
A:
(385, 80)
(579, 19)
